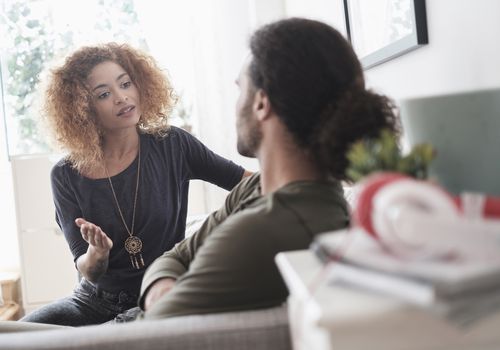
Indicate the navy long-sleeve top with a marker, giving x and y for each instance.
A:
(167, 165)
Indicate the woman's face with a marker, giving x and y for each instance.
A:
(115, 97)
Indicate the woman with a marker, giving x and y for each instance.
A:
(121, 192)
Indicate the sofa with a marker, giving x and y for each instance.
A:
(244, 330)
(265, 329)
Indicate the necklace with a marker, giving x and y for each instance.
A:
(133, 244)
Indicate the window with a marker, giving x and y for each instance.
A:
(38, 33)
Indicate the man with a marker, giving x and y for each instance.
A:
(302, 103)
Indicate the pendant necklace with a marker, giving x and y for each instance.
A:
(133, 244)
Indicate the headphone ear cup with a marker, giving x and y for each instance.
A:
(491, 206)
(363, 198)
(398, 210)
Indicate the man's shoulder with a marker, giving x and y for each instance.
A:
(297, 198)
(245, 188)
(258, 231)
(302, 206)
(245, 225)
(251, 181)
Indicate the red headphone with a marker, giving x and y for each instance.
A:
(420, 219)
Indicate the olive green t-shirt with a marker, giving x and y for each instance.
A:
(228, 264)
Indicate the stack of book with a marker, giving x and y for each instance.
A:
(462, 290)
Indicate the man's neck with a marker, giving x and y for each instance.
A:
(283, 162)
(277, 172)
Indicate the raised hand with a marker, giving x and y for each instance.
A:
(94, 236)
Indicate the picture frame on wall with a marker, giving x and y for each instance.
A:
(380, 30)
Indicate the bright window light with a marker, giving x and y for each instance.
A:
(37, 33)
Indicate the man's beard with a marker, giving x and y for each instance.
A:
(249, 133)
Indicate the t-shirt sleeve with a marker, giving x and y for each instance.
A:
(203, 164)
(67, 210)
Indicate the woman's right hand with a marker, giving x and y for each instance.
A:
(94, 236)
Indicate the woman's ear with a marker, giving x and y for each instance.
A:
(261, 105)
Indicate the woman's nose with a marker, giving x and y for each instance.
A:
(120, 98)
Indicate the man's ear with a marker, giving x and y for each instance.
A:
(261, 105)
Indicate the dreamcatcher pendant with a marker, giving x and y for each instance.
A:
(133, 245)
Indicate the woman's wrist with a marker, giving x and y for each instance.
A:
(93, 264)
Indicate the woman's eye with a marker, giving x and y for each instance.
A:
(103, 95)
(126, 84)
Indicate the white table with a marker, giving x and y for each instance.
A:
(329, 316)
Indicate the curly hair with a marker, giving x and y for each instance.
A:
(68, 108)
(316, 87)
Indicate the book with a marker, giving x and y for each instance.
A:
(461, 291)
(448, 277)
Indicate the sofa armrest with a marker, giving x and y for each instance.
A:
(256, 329)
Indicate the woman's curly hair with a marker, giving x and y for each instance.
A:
(68, 107)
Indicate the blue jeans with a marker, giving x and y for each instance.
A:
(87, 305)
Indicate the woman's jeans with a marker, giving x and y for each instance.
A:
(88, 305)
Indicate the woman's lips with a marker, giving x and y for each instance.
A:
(125, 110)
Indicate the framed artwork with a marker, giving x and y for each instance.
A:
(380, 30)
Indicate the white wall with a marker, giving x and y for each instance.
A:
(463, 51)
(328, 11)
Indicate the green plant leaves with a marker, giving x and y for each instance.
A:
(383, 154)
